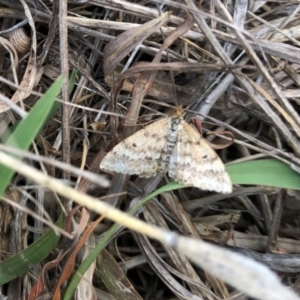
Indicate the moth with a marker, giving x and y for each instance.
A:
(170, 145)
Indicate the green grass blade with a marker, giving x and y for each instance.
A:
(35, 253)
(269, 172)
(28, 128)
(53, 111)
(21, 136)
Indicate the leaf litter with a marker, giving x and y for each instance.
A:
(232, 67)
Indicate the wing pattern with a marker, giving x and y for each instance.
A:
(139, 153)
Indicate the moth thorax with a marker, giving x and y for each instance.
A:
(171, 141)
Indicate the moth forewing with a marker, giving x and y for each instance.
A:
(140, 153)
(170, 145)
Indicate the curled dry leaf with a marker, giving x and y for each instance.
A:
(20, 40)
(198, 125)
(224, 132)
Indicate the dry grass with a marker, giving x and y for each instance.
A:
(235, 67)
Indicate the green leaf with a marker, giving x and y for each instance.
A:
(35, 253)
(269, 172)
(28, 128)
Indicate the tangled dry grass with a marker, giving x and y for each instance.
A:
(233, 65)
